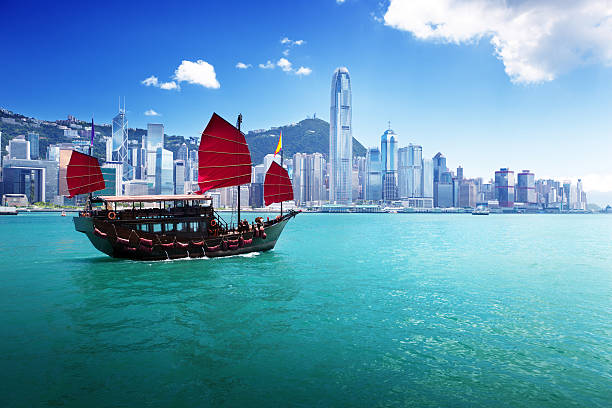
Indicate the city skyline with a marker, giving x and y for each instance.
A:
(444, 90)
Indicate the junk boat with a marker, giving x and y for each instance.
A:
(158, 227)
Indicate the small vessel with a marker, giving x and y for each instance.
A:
(159, 227)
(8, 210)
(481, 211)
(63, 213)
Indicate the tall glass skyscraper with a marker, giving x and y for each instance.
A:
(120, 143)
(373, 184)
(410, 171)
(340, 138)
(153, 141)
(34, 139)
(504, 187)
(388, 152)
(155, 137)
(164, 172)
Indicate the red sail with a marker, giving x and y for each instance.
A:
(224, 157)
(82, 173)
(277, 185)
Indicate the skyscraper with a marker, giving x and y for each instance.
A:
(19, 148)
(120, 142)
(340, 138)
(427, 182)
(34, 139)
(164, 172)
(410, 171)
(439, 167)
(373, 183)
(179, 177)
(504, 187)
(525, 189)
(388, 152)
(153, 141)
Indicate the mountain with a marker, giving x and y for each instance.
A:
(52, 132)
(306, 136)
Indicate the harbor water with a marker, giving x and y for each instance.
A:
(359, 310)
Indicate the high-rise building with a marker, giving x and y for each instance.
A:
(439, 167)
(164, 172)
(340, 138)
(19, 148)
(467, 193)
(120, 143)
(259, 174)
(153, 141)
(256, 195)
(108, 143)
(155, 137)
(460, 174)
(299, 178)
(317, 177)
(360, 164)
(504, 187)
(53, 152)
(373, 184)
(34, 139)
(427, 183)
(388, 152)
(525, 188)
(307, 177)
(410, 171)
(179, 177)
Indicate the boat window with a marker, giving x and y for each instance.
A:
(157, 227)
(195, 226)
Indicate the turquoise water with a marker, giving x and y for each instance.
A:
(358, 310)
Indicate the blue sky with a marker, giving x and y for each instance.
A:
(441, 83)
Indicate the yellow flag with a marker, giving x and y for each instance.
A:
(280, 143)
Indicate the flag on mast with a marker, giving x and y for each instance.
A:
(280, 143)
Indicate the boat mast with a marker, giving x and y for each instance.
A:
(281, 152)
(89, 206)
(239, 122)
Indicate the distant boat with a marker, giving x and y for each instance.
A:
(8, 210)
(160, 227)
(481, 211)
(63, 213)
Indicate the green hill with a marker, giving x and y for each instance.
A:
(50, 133)
(307, 136)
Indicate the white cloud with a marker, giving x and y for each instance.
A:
(303, 71)
(286, 52)
(150, 81)
(242, 65)
(284, 64)
(199, 72)
(288, 42)
(168, 85)
(536, 40)
(267, 65)
(151, 112)
(340, 1)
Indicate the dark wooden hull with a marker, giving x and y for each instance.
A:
(210, 247)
